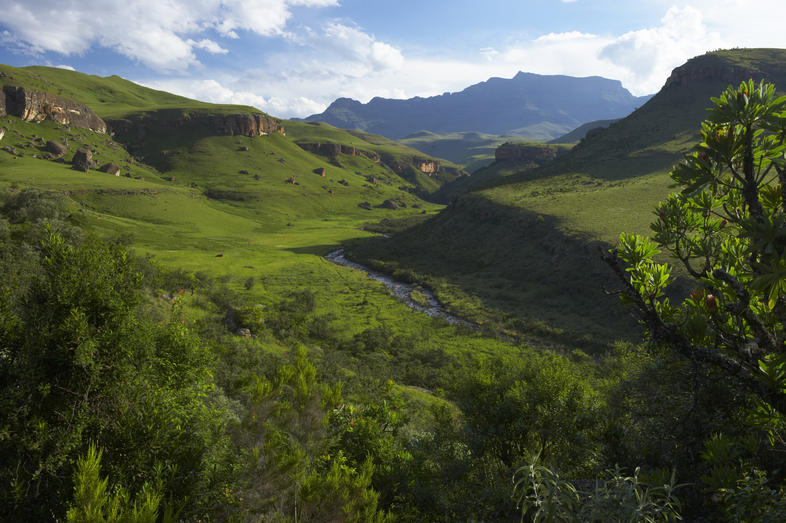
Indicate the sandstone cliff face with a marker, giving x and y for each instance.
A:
(522, 153)
(136, 127)
(254, 124)
(429, 167)
(36, 106)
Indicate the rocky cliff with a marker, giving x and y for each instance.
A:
(36, 106)
(695, 71)
(136, 127)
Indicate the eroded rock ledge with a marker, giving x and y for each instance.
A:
(37, 106)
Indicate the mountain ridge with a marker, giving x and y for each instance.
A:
(529, 105)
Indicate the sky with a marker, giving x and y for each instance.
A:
(292, 58)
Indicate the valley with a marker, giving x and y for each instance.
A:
(252, 316)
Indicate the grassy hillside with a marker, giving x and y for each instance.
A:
(110, 97)
(528, 235)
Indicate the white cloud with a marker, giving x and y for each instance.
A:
(66, 67)
(208, 45)
(153, 32)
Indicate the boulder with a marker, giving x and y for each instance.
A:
(246, 333)
(390, 204)
(365, 205)
(320, 171)
(111, 168)
(83, 160)
(242, 148)
(243, 171)
(56, 148)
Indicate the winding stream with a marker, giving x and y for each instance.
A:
(402, 291)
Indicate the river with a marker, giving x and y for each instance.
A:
(402, 291)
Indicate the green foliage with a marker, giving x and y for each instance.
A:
(543, 405)
(94, 501)
(79, 363)
(545, 497)
(726, 227)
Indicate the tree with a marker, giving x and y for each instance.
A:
(727, 228)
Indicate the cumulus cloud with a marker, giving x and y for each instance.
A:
(155, 33)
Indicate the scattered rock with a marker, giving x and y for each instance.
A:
(10, 150)
(344, 182)
(111, 168)
(257, 177)
(390, 204)
(246, 333)
(372, 180)
(365, 205)
(83, 160)
(243, 171)
(2, 133)
(220, 255)
(243, 148)
(320, 171)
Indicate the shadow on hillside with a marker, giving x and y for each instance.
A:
(511, 269)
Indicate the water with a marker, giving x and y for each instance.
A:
(400, 290)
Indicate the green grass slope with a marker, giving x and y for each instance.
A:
(525, 235)
(110, 97)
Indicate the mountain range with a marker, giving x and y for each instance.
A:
(530, 105)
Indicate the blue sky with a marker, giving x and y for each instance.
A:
(294, 57)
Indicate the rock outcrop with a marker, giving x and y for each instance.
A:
(524, 153)
(333, 150)
(36, 106)
(137, 128)
(429, 167)
(708, 72)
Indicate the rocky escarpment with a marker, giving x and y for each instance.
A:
(333, 150)
(37, 106)
(138, 127)
(524, 153)
(399, 165)
(697, 72)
